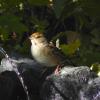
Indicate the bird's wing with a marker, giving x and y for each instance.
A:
(63, 59)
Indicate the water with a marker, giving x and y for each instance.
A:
(22, 82)
(15, 69)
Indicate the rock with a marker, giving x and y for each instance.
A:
(72, 83)
(91, 91)
(66, 85)
(10, 87)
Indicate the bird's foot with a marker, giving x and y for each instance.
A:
(57, 70)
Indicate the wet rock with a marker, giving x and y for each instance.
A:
(11, 88)
(66, 85)
(91, 91)
(72, 83)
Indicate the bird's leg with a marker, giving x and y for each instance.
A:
(57, 70)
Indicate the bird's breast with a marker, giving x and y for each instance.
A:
(35, 51)
(40, 56)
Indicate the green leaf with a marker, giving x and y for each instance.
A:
(63, 8)
(40, 25)
(58, 7)
(10, 23)
(4, 34)
(96, 68)
(71, 48)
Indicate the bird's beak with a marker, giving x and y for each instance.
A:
(30, 37)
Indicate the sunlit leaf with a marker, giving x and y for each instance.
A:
(96, 68)
(70, 48)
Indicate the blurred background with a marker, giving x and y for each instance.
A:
(76, 23)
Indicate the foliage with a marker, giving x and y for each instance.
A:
(40, 25)
(11, 23)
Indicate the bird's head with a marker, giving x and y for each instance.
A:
(37, 38)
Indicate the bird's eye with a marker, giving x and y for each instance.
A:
(37, 36)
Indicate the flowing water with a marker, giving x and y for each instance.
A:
(15, 69)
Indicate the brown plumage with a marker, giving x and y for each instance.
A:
(45, 54)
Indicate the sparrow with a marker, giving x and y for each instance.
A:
(46, 54)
